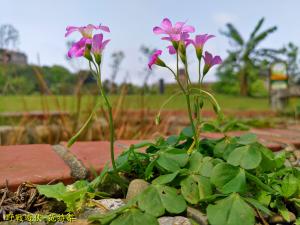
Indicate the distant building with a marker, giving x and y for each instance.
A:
(12, 57)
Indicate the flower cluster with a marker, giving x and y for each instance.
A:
(88, 43)
(179, 36)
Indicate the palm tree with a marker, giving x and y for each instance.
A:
(246, 57)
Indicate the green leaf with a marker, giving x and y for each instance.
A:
(248, 157)
(172, 140)
(171, 200)
(150, 202)
(259, 206)
(195, 163)
(283, 211)
(195, 188)
(228, 178)
(172, 159)
(158, 198)
(188, 132)
(56, 191)
(289, 185)
(165, 179)
(134, 217)
(231, 211)
(71, 195)
(168, 164)
(207, 166)
(247, 139)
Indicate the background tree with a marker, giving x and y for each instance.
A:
(245, 60)
(146, 72)
(292, 54)
(9, 36)
(117, 58)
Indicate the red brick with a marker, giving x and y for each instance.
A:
(211, 135)
(95, 154)
(38, 164)
(283, 137)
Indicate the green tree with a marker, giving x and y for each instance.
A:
(245, 60)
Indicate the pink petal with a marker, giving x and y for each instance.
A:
(105, 43)
(172, 50)
(166, 23)
(179, 25)
(104, 28)
(70, 29)
(189, 29)
(189, 41)
(158, 30)
(208, 58)
(216, 60)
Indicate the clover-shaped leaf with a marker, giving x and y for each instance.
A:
(228, 178)
(232, 210)
(157, 199)
(248, 157)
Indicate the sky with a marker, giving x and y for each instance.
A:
(42, 24)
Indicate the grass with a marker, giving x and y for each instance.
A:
(68, 103)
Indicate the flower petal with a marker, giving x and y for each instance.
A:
(208, 58)
(158, 30)
(172, 50)
(189, 29)
(216, 60)
(166, 23)
(70, 29)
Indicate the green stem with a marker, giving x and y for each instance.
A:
(111, 122)
(188, 101)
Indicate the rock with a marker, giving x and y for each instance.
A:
(197, 216)
(91, 211)
(109, 204)
(297, 154)
(136, 187)
(78, 222)
(279, 219)
(101, 207)
(177, 220)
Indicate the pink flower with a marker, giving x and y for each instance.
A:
(154, 59)
(172, 50)
(175, 33)
(98, 44)
(86, 31)
(78, 48)
(200, 40)
(210, 61)
(199, 43)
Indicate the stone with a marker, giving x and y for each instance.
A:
(136, 187)
(177, 220)
(110, 203)
(297, 154)
(197, 216)
(78, 222)
(279, 219)
(91, 211)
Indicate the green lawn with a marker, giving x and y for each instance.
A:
(68, 103)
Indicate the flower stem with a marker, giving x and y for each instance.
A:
(111, 122)
(188, 101)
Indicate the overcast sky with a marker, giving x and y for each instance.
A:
(42, 23)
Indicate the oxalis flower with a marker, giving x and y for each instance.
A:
(199, 42)
(175, 33)
(210, 61)
(86, 31)
(154, 59)
(78, 48)
(98, 46)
